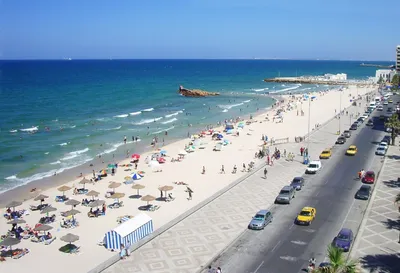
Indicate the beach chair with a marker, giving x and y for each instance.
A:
(49, 241)
(36, 240)
(75, 250)
(154, 208)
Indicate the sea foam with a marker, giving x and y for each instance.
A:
(121, 116)
(135, 113)
(148, 110)
(169, 121)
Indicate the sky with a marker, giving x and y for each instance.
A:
(199, 29)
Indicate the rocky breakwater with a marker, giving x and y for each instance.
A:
(195, 92)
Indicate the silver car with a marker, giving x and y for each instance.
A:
(380, 150)
(260, 220)
(286, 195)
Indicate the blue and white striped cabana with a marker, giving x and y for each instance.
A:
(132, 230)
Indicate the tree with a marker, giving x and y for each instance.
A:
(337, 263)
(395, 82)
(394, 124)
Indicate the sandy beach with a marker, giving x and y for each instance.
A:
(241, 149)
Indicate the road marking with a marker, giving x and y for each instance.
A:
(309, 230)
(259, 267)
(316, 194)
(288, 258)
(275, 246)
(298, 243)
(291, 226)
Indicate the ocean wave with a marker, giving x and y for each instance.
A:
(72, 127)
(110, 129)
(246, 101)
(63, 144)
(148, 110)
(260, 90)
(174, 114)
(163, 130)
(121, 116)
(230, 106)
(13, 131)
(169, 121)
(11, 177)
(56, 162)
(135, 113)
(32, 129)
(225, 110)
(46, 153)
(146, 121)
(286, 89)
(74, 154)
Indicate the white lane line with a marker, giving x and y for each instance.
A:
(276, 246)
(316, 194)
(259, 267)
(291, 226)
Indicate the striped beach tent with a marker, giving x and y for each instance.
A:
(132, 230)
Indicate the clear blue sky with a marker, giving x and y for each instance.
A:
(309, 29)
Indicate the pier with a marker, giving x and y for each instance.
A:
(306, 80)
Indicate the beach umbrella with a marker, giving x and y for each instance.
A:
(136, 176)
(72, 212)
(9, 242)
(43, 228)
(93, 193)
(117, 195)
(40, 198)
(163, 152)
(84, 181)
(16, 221)
(148, 198)
(14, 204)
(166, 188)
(72, 202)
(47, 210)
(63, 189)
(96, 203)
(127, 178)
(138, 187)
(69, 238)
(114, 185)
(135, 156)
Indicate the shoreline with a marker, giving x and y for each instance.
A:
(23, 192)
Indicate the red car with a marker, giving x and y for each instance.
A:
(369, 177)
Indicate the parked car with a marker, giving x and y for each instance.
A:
(370, 123)
(383, 144)
(341, 140)
(286, 195)
(297, 183)
(260, 220)
(386, 139)
(379, 108)
(364, 192)
(313, 167)
(380, 151)
(354, 126)
(347, 133)
(369, 177)
(344, 239)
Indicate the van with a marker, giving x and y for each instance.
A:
(377, 100)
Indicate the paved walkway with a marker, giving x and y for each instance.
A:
(377, 245)
(196, 240)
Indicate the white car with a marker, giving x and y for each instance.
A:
(385, 102)
(365, 116)
(380, 108)
(380, 151)
(314, 167)
(383, 144)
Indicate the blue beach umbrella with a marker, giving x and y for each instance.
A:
(220, 136)
(163, 152)
(136, 176)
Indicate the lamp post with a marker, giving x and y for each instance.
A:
(309, 125)
(340, 109)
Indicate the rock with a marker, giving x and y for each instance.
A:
(195, 92)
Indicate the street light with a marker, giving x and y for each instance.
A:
(309, 124)
(340, 108)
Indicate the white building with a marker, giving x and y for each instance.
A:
(385, 74)
(341, 77)
(398, 58)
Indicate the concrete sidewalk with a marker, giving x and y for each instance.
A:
(199, 238)
(377, 245)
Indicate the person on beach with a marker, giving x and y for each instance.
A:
(124, 139)
(219, 270)
(204, 170)
(265, 173)
(244, 167)
(234, 169)
(122, 253)
(223, 169)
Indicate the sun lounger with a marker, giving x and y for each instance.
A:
(75, 250)
(20, 253)
(36, 240)
(154, 208)
(61, 198)
(49, 241)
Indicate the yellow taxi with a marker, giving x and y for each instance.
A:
(352, 150)
(390, 101)
(306, 216)
(327, 153)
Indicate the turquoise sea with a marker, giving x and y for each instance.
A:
(56, 115)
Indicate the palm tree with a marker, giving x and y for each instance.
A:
(337, 263)
(394, 124)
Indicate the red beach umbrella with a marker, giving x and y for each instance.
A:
(135, 156)
(161, 160)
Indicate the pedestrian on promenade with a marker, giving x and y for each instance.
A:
(284, 152)
(204, 170)
(301, 151)
(210, 269)
(127, 247)
(265, 173)
(268, 160)
(219, 270)
(244, 167)
(223, 169)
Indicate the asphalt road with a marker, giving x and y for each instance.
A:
(285, 247)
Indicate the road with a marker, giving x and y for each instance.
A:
(285, 247)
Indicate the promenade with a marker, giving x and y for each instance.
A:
(377, 245)
(198, 239)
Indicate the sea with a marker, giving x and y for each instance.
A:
(59, 114)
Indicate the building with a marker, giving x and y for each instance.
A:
(385, 74)
(338, 77)
(398, 58)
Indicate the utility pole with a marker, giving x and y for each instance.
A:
(340, 109)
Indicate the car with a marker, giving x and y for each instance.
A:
(370, 123)
(380, 151)
(365, 116)
(379, 108)
(388, 129)
(385, 102)
(286, 195)
(313, 167)
(383, 144)
(324, 265)
(352, 150)
(386, 139)
(390, 101)
(260, 220)
(369, 177)
(306, 216)
(359, 121)
(354, 126)
(382, 117)
(347, 134)
(297, 183)
(364, 192)
(341, 140)
(344, 239)
(326, 154)
(390, 111)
